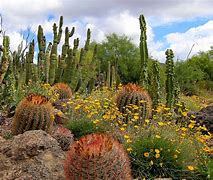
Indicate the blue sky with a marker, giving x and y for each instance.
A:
(174, 24)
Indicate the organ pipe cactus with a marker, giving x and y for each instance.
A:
(5, 61)
(41, 55)
(33, 112)
(132, 94)
(169, 78)
(30, 72)
(65, 48)
(143, 52)
(97, 156)
(53, 55)
(155, 84)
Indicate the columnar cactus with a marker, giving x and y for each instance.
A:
(33, 113)
(169, 78)
(132, 94)
(53, 55)
(155, 83)
(63, 90)
(97, 156)
(41, 55)
(5, 61)
(143, 52)
(30, 71)
(65, 48)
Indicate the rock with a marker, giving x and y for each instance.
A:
(205, 117)
(64, 137)
(31, 156)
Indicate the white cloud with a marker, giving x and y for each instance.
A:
(201, 37)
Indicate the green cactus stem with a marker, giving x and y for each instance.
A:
(143, 53)
(5, 61)
(169, 78)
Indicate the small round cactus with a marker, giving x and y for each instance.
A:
(34, 112)
(63, 90)
(97, 156)
(132, 94)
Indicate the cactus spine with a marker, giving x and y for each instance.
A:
(33, 112)
(143, 52)
(169, 78)
(5, 61)
(97, 156)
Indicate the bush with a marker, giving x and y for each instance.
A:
(82, 127)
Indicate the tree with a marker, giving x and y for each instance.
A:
(123, 55)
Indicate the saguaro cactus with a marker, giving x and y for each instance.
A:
(5, 61)
(169, 78)
(97, 156)
(143, 52)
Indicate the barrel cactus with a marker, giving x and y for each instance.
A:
(34, 112)
(63, 90)
(97, 156)
(135, 96)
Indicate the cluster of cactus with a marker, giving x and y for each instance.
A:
(79, 71)
(143, 53)
(170, 82)
(132, 94)
(97, 156)
(63, 90)
(33, 113)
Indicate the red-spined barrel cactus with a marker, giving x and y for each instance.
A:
(97, 156)
(63, 90)
(132, 94)
(34, 112)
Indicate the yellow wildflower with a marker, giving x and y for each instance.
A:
(122, 129)
(136, 126)
(126, 136)
(157, 151)
(184, 114)
(146, 154)
(191, 125)
(175, 156)
(191, 168)
(157, 136)
(160, 123)
(136, 117)
(167, 109)
(129, 149)
(157, 156)
(151, 163)
(128, 141)
(147, 120)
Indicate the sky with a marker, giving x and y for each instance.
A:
(174, 24)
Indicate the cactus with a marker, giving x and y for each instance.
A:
(30, 71)
(47, 62)
(33, 112)
(53, 54)
(65, 48)
(132, 94)
(108, 75)
(41, 55)
(169, 78)
(63, 90)
(5, 61)
(143, 52)
(97, 156)
(155, 84)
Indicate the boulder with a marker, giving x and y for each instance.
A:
(32, 155)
